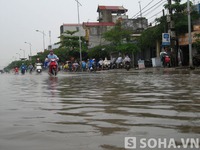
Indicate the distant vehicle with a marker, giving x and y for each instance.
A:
(1, 71)
(38, 67)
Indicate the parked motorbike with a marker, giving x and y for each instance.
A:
(106, 64)
(92, 67)
(100, 64)
(53, 67)
(127, 65)
(166, 61)
(120, 65)
(38, 67)
(113, 64)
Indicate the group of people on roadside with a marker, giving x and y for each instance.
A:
(93, 64)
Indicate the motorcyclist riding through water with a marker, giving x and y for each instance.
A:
(23, 68)
(30, 67)
(38, 66)
(52, 59)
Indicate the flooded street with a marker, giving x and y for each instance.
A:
(96, 111)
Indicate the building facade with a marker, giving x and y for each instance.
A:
(72, 27)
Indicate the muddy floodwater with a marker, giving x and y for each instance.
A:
(96, 111)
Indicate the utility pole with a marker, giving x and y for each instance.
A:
(189, 34)
(141, 15)
(140, 9)
(171, 31)
(49, 37)
(165, 29)
(79, 4)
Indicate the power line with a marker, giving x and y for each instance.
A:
(158, 3)
(155, 14)
(143, 8)
(155, 8)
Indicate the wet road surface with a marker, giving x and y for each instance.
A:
(96, 111)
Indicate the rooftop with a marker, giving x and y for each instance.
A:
(113, 9)
(92, 24)
(71, 24)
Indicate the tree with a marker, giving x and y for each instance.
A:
(99, 52)
(120, 38)
(180, 16)
(69, 46)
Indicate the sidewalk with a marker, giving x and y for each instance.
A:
(183, 68)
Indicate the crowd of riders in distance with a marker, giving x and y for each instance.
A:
(51, 62)
(73, 65)
(93, 64)
(28, 68)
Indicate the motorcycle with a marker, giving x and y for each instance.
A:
(106, 64)
(53, 67)
(38, 67)
(23, 70)
(127, 65)
(120, 65)
(166, 61)
(92, 68)
(16, 70)
(113, 64)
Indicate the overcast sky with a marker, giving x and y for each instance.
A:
(20, 18)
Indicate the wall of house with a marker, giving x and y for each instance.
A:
(106, 16)
(116, 17)
(73, 28)
(135, 24)
(95, 36)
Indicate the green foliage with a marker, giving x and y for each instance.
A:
(117, 34)
(18, 63)
(69, 46)
(99, 52)
(120, 39)
(71, 42)
(149, 36)
(179, 15)
(128, 48)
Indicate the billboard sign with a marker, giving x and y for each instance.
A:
(165, 39)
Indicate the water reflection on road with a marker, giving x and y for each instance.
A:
(96, 111)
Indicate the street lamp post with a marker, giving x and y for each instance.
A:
(24, 52)
(30, 49)
(189, 33)
(79, 33)
(43, 37)
(19, 55)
